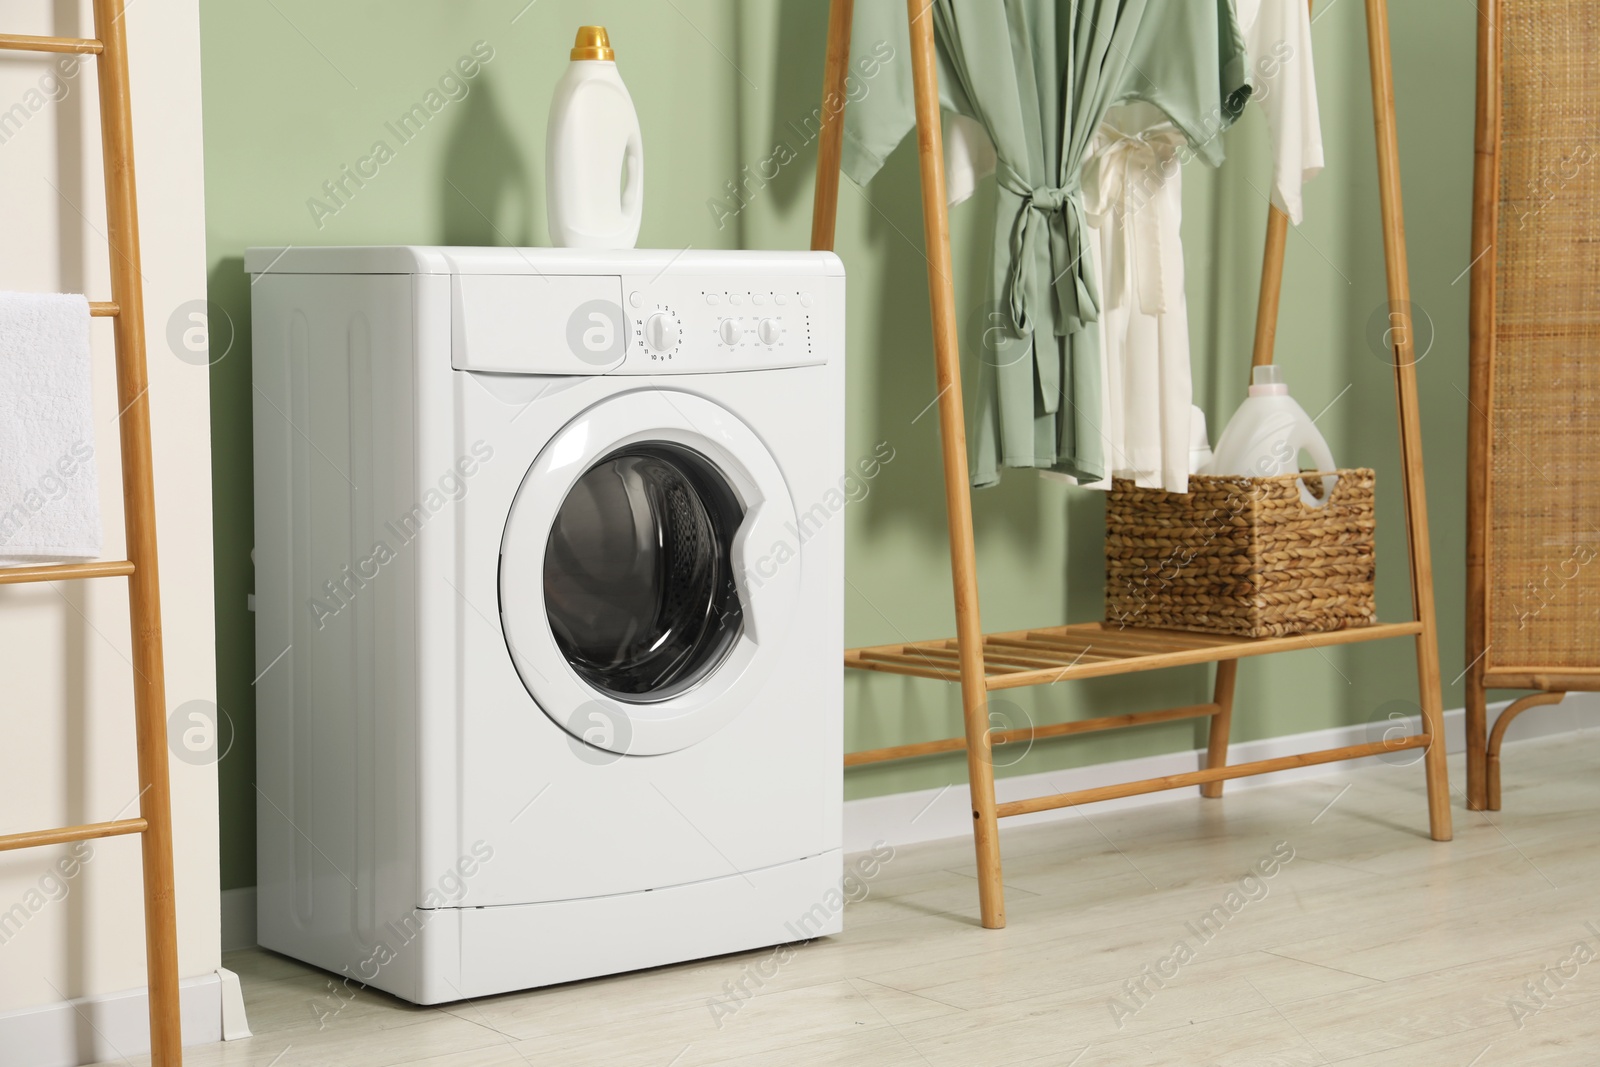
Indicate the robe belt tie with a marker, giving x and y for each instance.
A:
(1059, 211)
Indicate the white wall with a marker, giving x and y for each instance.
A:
(67, 752)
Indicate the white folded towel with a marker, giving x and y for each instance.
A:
(49, 491)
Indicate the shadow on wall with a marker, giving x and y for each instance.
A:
(796, 97)
(1381, 674)
(902, 350)
(233, 533)
(488, 193)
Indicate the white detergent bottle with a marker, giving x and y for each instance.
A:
(594, 156)
(1267, 434)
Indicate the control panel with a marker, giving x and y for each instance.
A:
(689, 325)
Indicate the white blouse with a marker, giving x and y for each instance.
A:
(1277, 37)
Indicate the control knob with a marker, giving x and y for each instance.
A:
(661, 333)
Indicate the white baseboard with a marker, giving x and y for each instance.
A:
(938, 814)
(235, 1025)
(114, 1026)
(238, 918)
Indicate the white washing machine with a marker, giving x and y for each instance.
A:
(549, 599)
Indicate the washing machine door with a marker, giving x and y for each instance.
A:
(648, 572)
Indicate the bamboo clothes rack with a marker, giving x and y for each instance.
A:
(981, 663)
(126, 309)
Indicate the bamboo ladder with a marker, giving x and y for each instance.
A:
(983, 663)
(125, 307)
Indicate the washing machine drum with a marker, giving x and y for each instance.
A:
(638, 575)
(650, 571)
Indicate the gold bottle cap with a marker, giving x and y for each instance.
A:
(593, 43)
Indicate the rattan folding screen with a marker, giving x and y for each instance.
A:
(1533, 511)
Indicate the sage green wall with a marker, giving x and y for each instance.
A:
(296, 89)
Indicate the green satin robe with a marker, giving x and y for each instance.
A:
(1040, 75)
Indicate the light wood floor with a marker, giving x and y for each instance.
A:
(1371, 946)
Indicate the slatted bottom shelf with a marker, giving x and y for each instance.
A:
(1094, 650)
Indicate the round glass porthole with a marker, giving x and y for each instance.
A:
(638, 576)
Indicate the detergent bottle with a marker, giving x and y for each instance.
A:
(594, 156)
(1267, 434)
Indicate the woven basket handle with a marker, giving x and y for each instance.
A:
(1316, 486)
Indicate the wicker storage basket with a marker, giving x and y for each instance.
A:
(1241, 556)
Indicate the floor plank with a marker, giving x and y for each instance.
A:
(1371, 946)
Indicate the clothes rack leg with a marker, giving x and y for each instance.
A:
(957, 487)
(1394, 247)
(830, 139)
(1221, 724)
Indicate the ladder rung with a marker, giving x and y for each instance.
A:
(11, 42)
(104, 309)
(61, 572)
(87, 831)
